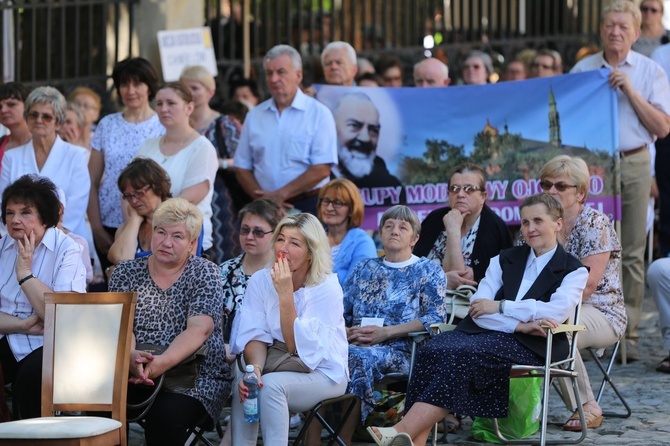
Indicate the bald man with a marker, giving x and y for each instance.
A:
(431, 72)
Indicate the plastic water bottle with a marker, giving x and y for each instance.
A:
(251, 407)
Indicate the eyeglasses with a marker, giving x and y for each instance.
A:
(541, 65)
(472, 67)
(137, 194)
(649, 9)
(468, 188)
(337, 204)
(46, 118)
(256, 232)
(560, 186)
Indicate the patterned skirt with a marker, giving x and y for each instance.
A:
(468, 373)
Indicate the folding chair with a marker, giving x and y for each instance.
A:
(608, 380)
(85, 368)
(347, 401)
(559, 369)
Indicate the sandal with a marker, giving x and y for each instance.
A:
(592, 421)
(450, 424)
(390, 437)
(664, 365)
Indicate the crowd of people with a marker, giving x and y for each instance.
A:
(240, 228)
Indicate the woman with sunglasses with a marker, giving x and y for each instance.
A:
(464, 237)
(589, 235)
(258, 220)
(341, 212)
(47, 155)
(652, 32)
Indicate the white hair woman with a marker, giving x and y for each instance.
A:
(298, 301)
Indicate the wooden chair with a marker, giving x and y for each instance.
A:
(85, 368)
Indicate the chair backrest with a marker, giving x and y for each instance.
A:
(86, 352)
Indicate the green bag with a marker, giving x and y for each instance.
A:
(525, 404)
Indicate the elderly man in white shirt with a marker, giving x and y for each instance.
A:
(288, 142)
(643, 96)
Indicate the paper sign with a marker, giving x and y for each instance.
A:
(185, 47)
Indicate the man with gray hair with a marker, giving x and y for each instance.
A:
(643, 96)
(288, 142)
(431, 72)
(339, 64)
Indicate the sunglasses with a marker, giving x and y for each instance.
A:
(256, 232)
(136, 195)
(560, 186)
(46, 118)
(468, 188)
(649, 9)
(337, 204)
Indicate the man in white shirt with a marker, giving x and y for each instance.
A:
(288, 142)
(643, 96)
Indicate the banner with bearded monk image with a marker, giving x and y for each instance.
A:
(399, 145)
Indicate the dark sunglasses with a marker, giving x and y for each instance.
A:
(256, 232)
(560, 186)
(649, 9)
(468, 188)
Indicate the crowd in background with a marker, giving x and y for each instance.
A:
(171, 177)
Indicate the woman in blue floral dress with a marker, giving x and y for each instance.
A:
(406, 294)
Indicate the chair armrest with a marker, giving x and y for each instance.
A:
(562, 328)
(441, 327)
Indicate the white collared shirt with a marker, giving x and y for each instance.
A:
(561, 305)
(278, 148)
(66, 166)
(319, 330)
(56, 262)
(649, 80)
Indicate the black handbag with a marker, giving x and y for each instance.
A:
(182, 376)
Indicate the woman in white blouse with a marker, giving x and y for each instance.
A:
(297, 301)
(36, 258)
(47, 155)
(189, 158)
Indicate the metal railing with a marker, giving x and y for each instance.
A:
(63, 42)
(384, 24)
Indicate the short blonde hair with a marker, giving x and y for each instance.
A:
(573, 167)
(553, 206)
(317, 244)
(174, 211)
(350, 194)
(623, 6)
(200, 74)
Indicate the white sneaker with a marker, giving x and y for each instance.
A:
(295, 421)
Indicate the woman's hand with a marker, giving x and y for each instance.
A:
(24, 261)
(367, 336)
(537, 327)
(282, 278)
(138, 361)
(480, 307)
(458, 278)
(453, 221)
(243, 390)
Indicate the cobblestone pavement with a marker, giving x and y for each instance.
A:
(647, 393)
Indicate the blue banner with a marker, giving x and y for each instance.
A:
(399, 145)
